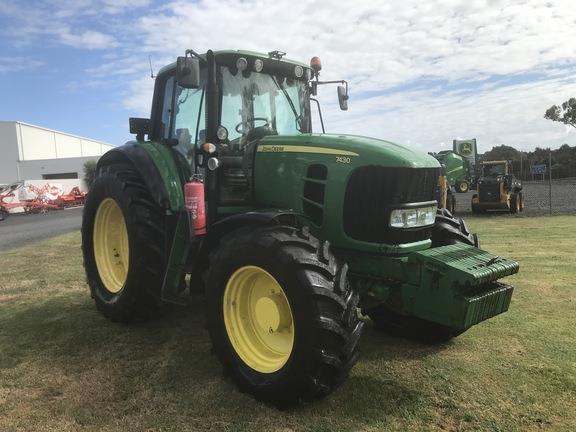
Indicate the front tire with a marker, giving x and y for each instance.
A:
(123, 234)
(281, 314)
(514, 203)
(450, 230)
(462, 186)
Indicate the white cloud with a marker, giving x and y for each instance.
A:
(511, 115)
(419, 72)
(378, 44)
(488, 48)
(87, 39)
(65, 22)
(17, 64)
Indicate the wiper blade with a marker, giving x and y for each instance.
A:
(296, 115)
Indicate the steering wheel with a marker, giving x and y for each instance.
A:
(264, 119)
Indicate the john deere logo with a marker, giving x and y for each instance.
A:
(466, 149)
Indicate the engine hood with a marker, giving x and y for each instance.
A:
(369, 151)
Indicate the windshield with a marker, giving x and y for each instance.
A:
(259, 100)
(494, 170)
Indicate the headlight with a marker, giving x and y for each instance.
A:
(413, 217)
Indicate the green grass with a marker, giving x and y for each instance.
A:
(64, 367)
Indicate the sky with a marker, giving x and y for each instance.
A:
(421, 73)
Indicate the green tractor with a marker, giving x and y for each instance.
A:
(458, 171)
(286, 232)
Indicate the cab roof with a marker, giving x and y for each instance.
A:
(240, 53)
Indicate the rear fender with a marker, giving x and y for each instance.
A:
(234, 222)
(158, 166)
(231, 223)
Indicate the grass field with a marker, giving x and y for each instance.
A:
(64, 367)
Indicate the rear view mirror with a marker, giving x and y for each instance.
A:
(188, 72)
(139, 127)
(343, 98)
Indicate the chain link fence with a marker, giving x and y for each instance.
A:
(545, 193)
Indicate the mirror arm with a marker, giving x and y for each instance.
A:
(335, 82)
(195, 54)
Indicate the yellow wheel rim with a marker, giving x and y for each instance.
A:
(258, 319)
(111, 248)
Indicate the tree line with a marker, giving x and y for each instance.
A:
(563, 159)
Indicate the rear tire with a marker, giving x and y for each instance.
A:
(323, 306)
(125, 278)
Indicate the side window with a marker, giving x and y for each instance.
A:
(167, 108)
(189, 119)
(231, 114)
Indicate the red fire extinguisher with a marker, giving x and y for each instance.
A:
(194, 196)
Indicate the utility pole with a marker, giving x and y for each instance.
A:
(550, 179)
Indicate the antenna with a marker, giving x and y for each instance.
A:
(151, 71)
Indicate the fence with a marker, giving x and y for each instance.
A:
(543, 193)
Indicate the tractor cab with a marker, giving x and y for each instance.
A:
(496, 168)
(214, 108)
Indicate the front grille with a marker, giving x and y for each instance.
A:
(371, 191)
(489, 192)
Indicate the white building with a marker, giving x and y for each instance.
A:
(29, 152)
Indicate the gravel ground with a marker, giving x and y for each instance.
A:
(536, 198)
(19, 229)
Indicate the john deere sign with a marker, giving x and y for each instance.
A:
(466, 149)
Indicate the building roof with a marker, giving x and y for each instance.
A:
(56, 131)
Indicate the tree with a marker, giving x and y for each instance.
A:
(89, 172)
(566, 113)
(501, 152)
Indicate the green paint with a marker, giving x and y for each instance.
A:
(450, 285)
(457, 168)
(177, 259)
(179, 250)
(283, 168)
(166, 164)
(456, 285)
